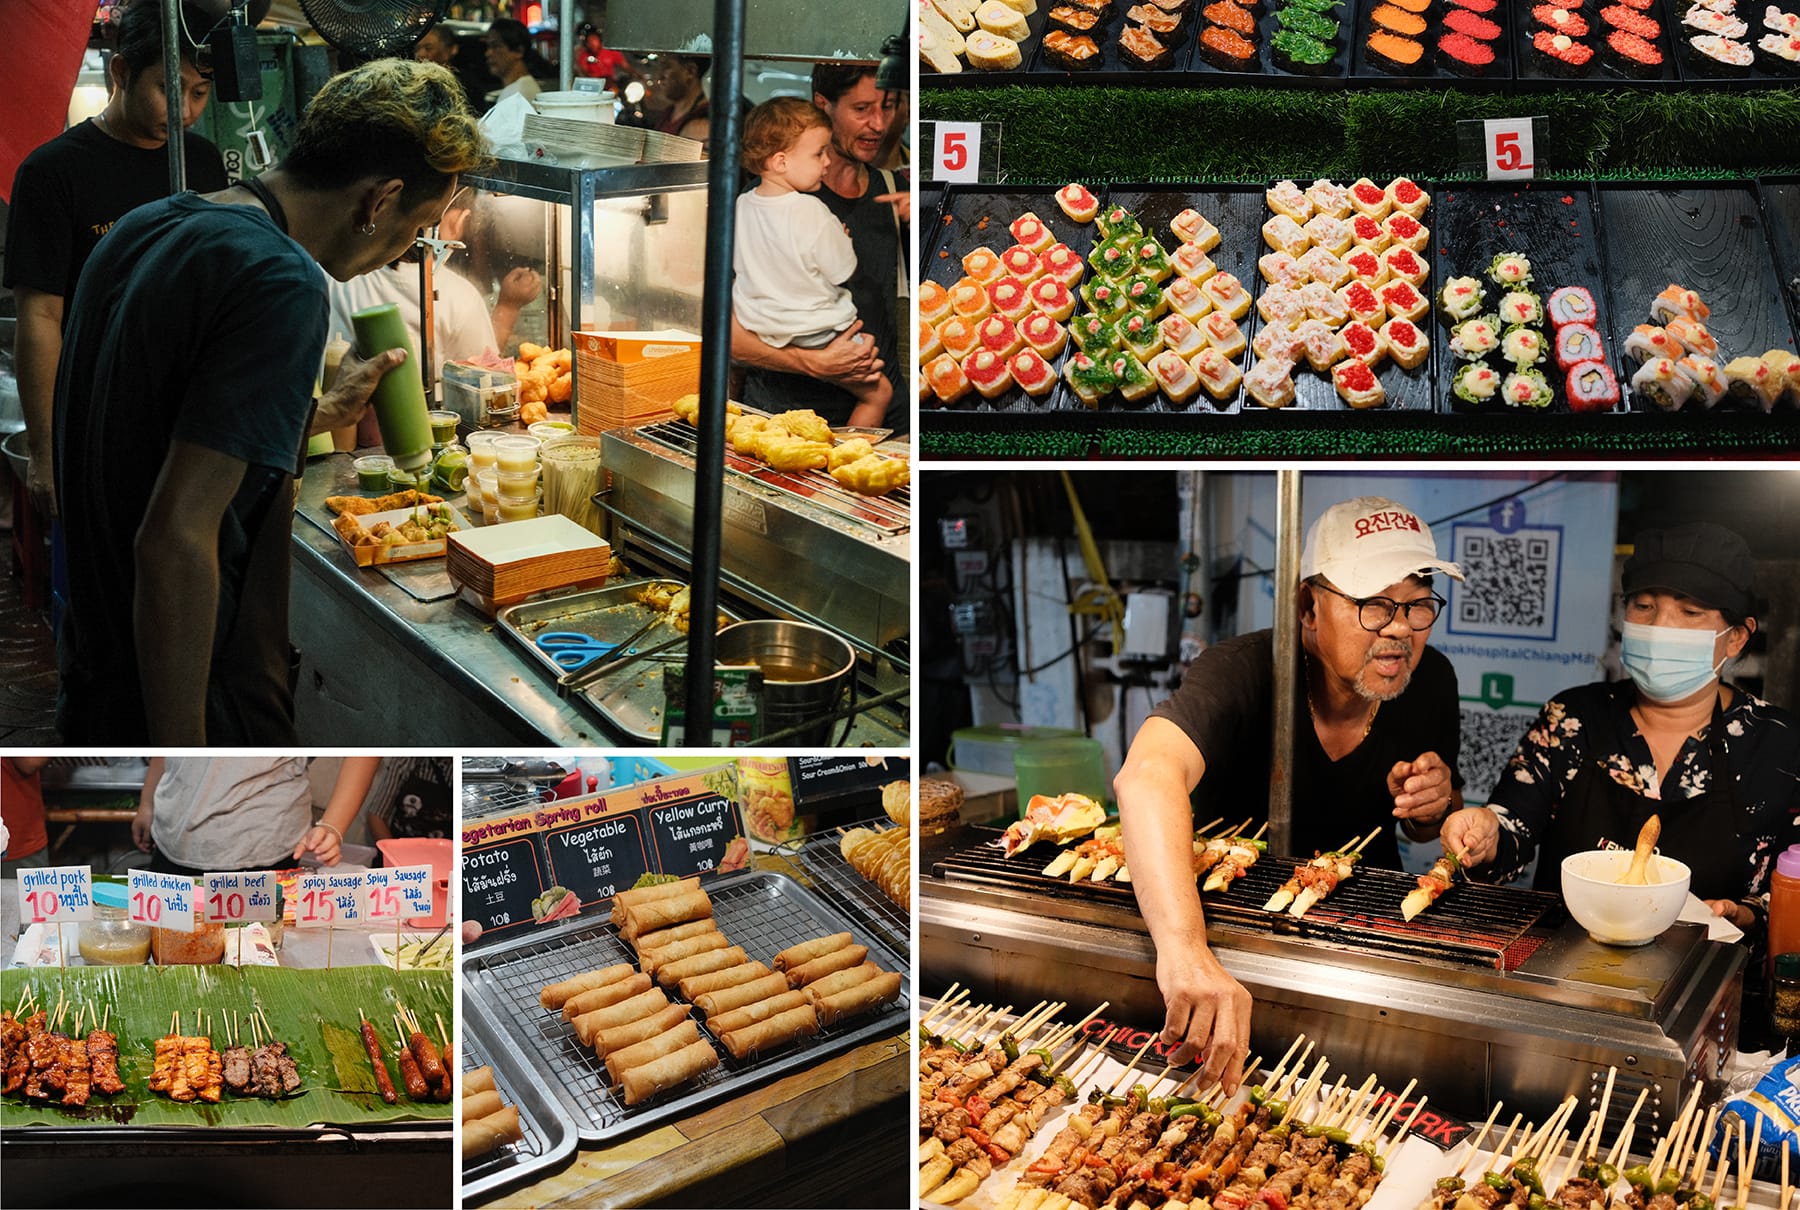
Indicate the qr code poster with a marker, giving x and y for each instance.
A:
(1512, 579)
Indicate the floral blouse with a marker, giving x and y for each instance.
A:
(1762, 752)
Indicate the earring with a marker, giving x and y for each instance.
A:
(367, 228)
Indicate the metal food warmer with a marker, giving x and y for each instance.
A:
(1490, 993)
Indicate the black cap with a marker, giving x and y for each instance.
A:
(1701, 560)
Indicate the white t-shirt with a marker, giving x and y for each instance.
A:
(792, 254)
(526, 86)
(463, 326)
(231, 812)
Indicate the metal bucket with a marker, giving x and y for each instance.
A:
(814, 668)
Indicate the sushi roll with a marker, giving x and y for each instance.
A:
(1030, 233)
(1474, 339)
(1195, 230)
(1320, 344)
(1174, 376)
(934, 302)
(1370, 233)
(1475, 384)
(1407, 197)
(989, 51)
(1476, 6)
(1510, 270)
(1181, 336)
(1073, 20)
(1021, 262)
(1407, 231)
(1707, 377)
(1576, 343)
(1719, 56)
(1308, 24)
(1227, 49)
(1280, 269)
(1222, 333)
(1052, 298)
(1010, 298)
(1559, 20)
(1461, 299)
(1692, 335)
(1162, 22)
(1394, 54)
(1526, 389)
(1361, 304)
(1185, 299)
(1281, 307)
(1043, 335)
(1323, 305)
(1787, 364)
(1781, 22)
(1397, 20)
(946, 378)
(1078, 202)
(999, 17)
(1631, 21)
(1271, 383)
(1114, 258)
(1116, 221)
(1324, 268)
(1150, 260)
(1708, 21)
(926, 341)
(1363, 343)
(1329, 234)
(983, 265)
(1368, 267)
(998, 334)
(1285, 197)
(1751, 380)
(1559, 54)
(1141, 49)
(1031, 373)
(1276, 340)
(1522, 346)
(1231, 16)
(1473, 25)
(1071, 52)
(1105, 299)
(1328, 197)
(1592, 387)
(1357, 385)
(1405, 341)
(1402, 301)
(1779, 53)
(1659, 381)
(1217, 373)
(1192, 262)
(1226, 294)
(1520, 307)
(1091, 380)
(960, 337)
(1648, 341)
(987, 373)
(1061, 263)
(1132, 378)
(1631, 56)
(1143, 339)
(1464, 56)
(1403, 264)
(1571, 305)
(1144, 294)
(1368, 198)
(1285, 235)
(969, 300)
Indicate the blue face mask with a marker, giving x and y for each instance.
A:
(1669, 663)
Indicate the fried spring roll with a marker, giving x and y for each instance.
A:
(750, 1014)
(555, 995)
(672, 973)
(871, 994)
(642, 1083)
(623, 1013)
(783, 1027)
(482, 1104)
(491, 1133)
(731, 976)
(646, 917)
(675, 932)
(619, 1037)
(650, 960)
(644, 894)
(728, 998)
(479, 1080)
(620, 1061)
(842, 980)
(606, 997)
(827, 964)
(806, 951)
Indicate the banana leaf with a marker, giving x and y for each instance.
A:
(318, 1013)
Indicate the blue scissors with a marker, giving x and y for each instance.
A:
(571, 650)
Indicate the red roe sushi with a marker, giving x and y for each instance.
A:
(1631, 21)
(1561, 55)
(1483, 6)
(1632, 56)
(1559, 19)
(1464, 55)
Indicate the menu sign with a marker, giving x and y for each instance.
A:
(500, 882)
(58, 894)
(598, 860)
(692, 837)
(826, 781)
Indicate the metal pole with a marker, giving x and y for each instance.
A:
(726, 137)
(565, 32)
(1287, 661)
(172, 94)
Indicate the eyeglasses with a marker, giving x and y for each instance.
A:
(1375, 613)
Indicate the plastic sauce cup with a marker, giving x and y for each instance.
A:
(443, 427)
(517, 510)
(372, 472)
(517, 485)
(516, 453)
(481, 450)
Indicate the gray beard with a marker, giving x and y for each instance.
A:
(1372, 695)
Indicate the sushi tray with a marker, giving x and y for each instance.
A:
(1781, 207)
(1737, 41)
(548, 1132)
(976, 43)
(1461, 40)
(1286, 40)
(761, 911)
(1620, 40)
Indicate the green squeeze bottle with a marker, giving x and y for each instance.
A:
(399, 399)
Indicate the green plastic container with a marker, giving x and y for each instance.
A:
(399, 399)
(1054, 767)
(989, 748)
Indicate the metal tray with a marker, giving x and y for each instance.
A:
(549, 1132)
(632, 698)
(761, 911)
(820, 859)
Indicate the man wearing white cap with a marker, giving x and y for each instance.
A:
(1378, 743)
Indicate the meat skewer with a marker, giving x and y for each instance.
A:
(1320, 882)
(1286, 892)
(1432, 883)
(372, 1044)
(416, 1087)
(1241, 852)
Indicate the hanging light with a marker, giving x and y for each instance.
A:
(893, 76)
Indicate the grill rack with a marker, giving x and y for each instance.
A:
(890, 515)
(1472, 924)
(763, 912)
(548, 1134)
(838, 882)
(485, 798)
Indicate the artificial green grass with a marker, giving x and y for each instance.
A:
(1103, 134)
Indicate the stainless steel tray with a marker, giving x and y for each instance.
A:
(837, 880)
(630, 699)
(763, 912)
(549, 1133)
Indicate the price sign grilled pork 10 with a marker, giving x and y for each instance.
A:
(236, 897)
(596, 860)
(62, 894)
(165, 901)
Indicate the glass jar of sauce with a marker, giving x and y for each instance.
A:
(110, 939)
(204, 946)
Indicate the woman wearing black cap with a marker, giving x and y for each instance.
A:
(1719, 766)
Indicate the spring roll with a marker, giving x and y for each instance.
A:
(619, 1037)
(555, 995)
(843, 980)
(642, 1083)
(620, 1061)
(783, 1027)
(660, 890)
(650, 959)
(655, 914)
(673, 973)
(870, 994)
(675, 932)
(479, 1080)
(806, 951)
(731, 976)
(491, 1133)
(728, 998)
(622, 1013)
(750, 1014)
(826, 964)
(603, 997)
(482, 1104)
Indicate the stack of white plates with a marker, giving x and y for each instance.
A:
(599, 140)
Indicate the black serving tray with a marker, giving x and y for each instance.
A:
(930, 216)
(1708, 236)
(1781, 210)
(1530, 67)
(977, 78)
(1551, 222)
(1694, 68)
(1267, 25)
(1112, 68)
(1499, 72)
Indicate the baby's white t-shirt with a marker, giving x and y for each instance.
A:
(792, 256)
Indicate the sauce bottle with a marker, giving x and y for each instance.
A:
(1784, 905)
(399, 399)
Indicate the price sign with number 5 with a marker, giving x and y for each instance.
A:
(958, 155)
(1509, 150)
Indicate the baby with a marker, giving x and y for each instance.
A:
(793, 255)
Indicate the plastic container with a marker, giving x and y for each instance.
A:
(1054, 767)
(110, 939)
(517, 485)
(399, 480)
(443, 426)
(575, 106)
(482, 455)
(399, 398)
(572, 477)
(550, 430)
(516, 453)
(989, 749)
(517, 510)
(372, 472)
(1784, 905)
(203, 947)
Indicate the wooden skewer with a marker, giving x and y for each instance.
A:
(1092, 1063)
(1613, 1156)
(1282, 1066)
(1732, 1125)
(1479, 1135)
(971, 1020)
(953, 996)
(1024, 1017)
(1355, 1101)
(1679, 1129)
(1083, 1023)
(1365, 840)
(1591, 1127)
(23, 996)
(107, 1017)
(1555, 1127)
(1786, 1189)
(1703, 1157)
(1401, 1137)
(1329, 1105)
(270, 1029)
(1656, 1161)
(1393, 1108)
(1204, 828)
(1306, 1091)
(1700, 1139)
(986, 1024)
(1547, 1160)
(1279, 1090)
(1257, 835)
(1114, 1090)
(1044, 1018)
(1374, 1109)
(1504, 1139)
(442, 1032)
(1605, 1100)
(1747, 1162)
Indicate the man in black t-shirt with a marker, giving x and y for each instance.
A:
(69, 192)
(875, 206)
(1377, 733)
